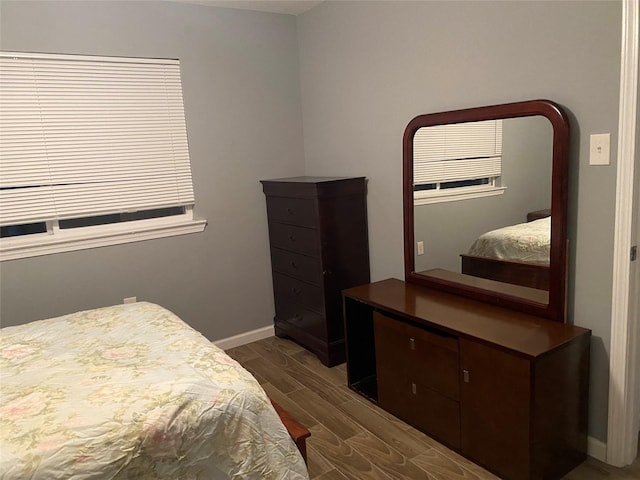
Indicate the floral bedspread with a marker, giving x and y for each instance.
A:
(526, 242)
(132, 392)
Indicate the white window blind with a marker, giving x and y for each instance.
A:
(457, 152)
(457, 161)
(86, 136)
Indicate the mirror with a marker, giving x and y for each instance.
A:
(485, 200)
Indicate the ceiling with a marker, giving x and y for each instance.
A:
(289, 7)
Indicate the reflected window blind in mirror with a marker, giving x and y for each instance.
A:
(457, 161)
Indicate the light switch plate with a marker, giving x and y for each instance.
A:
(599, 149)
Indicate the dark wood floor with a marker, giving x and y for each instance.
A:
(351, 438)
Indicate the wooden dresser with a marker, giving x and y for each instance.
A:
(506, 389)
(319, 246)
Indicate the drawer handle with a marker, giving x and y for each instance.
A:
(414, 389)
(292, 238)
(295, 291)
(465, 376)
(297, 317)
(290, 211)
(412, 343)
(294, 264)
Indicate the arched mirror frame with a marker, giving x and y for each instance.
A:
(555, 309)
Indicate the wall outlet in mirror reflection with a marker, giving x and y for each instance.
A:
(420, 248)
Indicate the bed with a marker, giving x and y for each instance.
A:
(131, 391)
(516, 254)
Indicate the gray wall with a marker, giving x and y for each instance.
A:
(367, 68)
(242, 105)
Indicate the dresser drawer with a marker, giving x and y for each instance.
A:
(420, 406)
(425, 357)
(296, 265)
(287, 290)
(296, 239)
(311, 322)
(436, 360)
(295, 211)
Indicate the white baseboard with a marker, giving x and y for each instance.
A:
(596, 449)
(244, 338)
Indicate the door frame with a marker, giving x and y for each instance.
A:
(624, 372)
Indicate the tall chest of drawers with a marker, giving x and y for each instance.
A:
(319, 246)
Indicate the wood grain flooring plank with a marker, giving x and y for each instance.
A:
(442, 467)
(295, 409)
(326, 414)
(317, 465)
(242, 354)
(350, 463)
(385, 430)
(331, 475)
(335, 376)
(284, 344)
(342, 367)
(272, 352)
(366, 404)
(282, 382)
(389, 460)
(452, 456)
(302, 375)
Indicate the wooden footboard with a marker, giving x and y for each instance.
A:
(508, 271)
(297, 431)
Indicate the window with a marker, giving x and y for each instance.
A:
(93, 152)
(457, 161)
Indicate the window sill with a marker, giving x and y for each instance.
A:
(423, 198)
(93, 237)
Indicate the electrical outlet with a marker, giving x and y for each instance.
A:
(420, 247)
(130, 300)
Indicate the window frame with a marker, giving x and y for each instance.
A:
(56, 239)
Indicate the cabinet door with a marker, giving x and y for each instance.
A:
(495, 409)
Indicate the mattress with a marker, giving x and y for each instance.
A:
(526, 242)
(131, 391)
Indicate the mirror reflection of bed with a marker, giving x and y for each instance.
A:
(516, 254)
